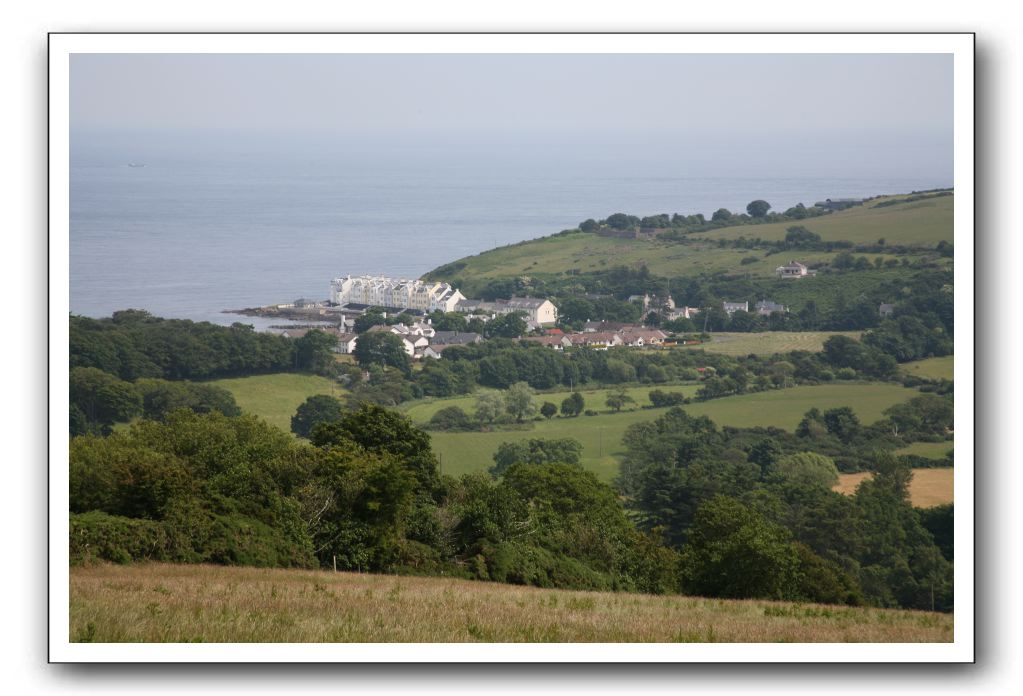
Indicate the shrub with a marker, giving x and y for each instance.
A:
(451, 418)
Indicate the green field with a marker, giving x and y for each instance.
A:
(275, 397)
(601, 435)
(931, 450)
(920, 223)
(768, 342)
(421, 411)
(931, 368)
(158, 602)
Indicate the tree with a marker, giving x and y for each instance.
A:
(518, 401)
(448, 321)
(103, 398)
(621, 221)
(617, 398)
(536, 451)
(733, 551)
(511, 325)
(489, 407)
(367, 321)
(573, 405)
(721, 215)
(451, 418)
(379, 430)
(548, 410)
(798, 235)
(807, 469)
(589, 225)
(758, 208)
(319, 408)
(382, 348)
(315, 352)
(842, 422)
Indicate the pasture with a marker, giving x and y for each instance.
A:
(919, 223)
(931, 368)
(768, 342)
(275, 397)
(928, 488)
(931, 450)
(218, 604)
(601, 435)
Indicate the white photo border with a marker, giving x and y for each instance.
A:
(63, 45)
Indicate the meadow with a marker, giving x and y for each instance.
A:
(920, 223)
(194, 603)
(931, 450)
(276, 397)
(768, 342)
(928, 488)
(931, 368)
(601, 435)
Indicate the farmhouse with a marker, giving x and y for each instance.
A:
(643, 337)
(793, 269)
(732, 307)
(886, 309)
(766, 308)
(595, 339)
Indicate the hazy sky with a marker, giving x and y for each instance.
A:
(716, 94)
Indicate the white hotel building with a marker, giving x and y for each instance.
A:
(400, 293)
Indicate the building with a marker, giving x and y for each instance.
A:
(793, 269)
(555, 342)
(540, 311)
(455, 338)
(885, 310)
(838, 203)
(591, 326)
(346, 343)
(643, 337)
(732, 307)
(766, 308)
(398, 293)
(595, 339)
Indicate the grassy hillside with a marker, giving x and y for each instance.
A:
(177, 603)
(921, 223)
(767, 342)
(931, 450)
(601, 435)
(928, 488)
(275, 397)
(932, 368)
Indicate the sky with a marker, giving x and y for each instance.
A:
(892, 106)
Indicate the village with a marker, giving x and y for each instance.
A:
(414, 300)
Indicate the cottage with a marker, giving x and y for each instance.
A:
(766, 308)
(793, 269)
(886, 310)
(346, 343)
(455, 338)
(595, 339)
(732, 307)
(555, 342)
(643, 337)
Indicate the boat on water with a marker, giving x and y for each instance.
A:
(135, 164)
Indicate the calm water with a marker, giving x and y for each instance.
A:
(189, 235)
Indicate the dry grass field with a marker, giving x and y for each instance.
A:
(928, 488)
(181, 603)
(768, 342)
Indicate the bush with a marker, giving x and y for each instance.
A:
(662, 399)
(590, 412)
(451, 418)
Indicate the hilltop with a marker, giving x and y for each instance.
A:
(897, 234)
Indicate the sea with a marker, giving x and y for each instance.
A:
(192, 231)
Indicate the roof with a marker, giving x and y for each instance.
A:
(545, 340)
(455, 338)
(792, 264)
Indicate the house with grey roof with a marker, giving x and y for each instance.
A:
(766, 308)
(732, 307)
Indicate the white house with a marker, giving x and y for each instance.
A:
(541, 311)
(766, 308)
(346, 343)
(793, 269)
(731, 307)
